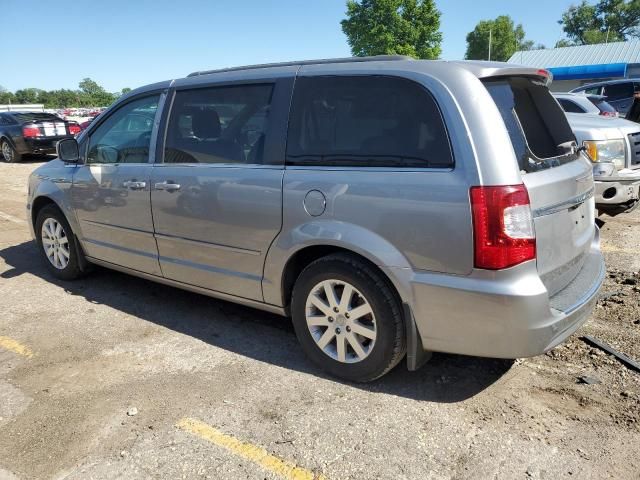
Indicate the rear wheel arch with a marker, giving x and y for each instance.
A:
(307, 255)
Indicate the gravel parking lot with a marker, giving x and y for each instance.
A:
(117, 377)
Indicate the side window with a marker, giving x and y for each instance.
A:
(124, 137)
(218, 125)
(569, 106)
(592, 90)
(371, 121)
(618, 91)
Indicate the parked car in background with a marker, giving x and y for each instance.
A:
(388, 205)
(86, 123)
(32, 133)
(581, 103)
(618, 93)
(613, 144)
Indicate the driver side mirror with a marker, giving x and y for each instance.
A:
(68, 150)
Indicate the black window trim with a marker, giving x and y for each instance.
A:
(93, 126)
(369, 168)
(282, 90)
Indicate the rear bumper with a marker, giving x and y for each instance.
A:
(39, 145)
(505, 314)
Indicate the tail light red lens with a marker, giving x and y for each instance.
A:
(74, 128)
(608, 114)
(30, 131)
(503, 230)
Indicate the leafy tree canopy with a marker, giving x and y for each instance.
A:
(506, 39)
(88, 94)
(393, 27)
(612, 20)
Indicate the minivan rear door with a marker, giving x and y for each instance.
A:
(558, 178)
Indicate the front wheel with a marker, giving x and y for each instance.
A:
(57, 244)
(347, 318)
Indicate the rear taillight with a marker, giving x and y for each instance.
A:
(608, 114)
(30, 131)
(502, 226)
(74, 128)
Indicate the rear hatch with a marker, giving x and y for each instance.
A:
(558, 178)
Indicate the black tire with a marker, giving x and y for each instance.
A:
(9, 153)
(73, 268)
(390, 343)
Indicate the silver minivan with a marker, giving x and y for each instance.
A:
(392, 207)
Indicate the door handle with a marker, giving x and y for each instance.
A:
(134, 185)
(169, 186)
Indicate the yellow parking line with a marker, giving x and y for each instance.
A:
(248, 451)
(15, 347)
(611, 248)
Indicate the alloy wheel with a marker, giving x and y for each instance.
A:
(7, 153)
(55, 243)
(341, 321)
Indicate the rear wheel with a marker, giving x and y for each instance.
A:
(347, 318)
(58, 244)
(9, 153)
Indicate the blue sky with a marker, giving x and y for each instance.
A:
(129, 43)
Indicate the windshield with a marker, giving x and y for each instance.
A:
(539, 131)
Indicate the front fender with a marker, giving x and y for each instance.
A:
(53, 183)
(333, 233)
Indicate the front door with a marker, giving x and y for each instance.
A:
(111, 191)
(217, 196)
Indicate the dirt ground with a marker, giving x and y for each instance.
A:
(103, 372)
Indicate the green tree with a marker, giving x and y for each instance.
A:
(125, 90)
(563, 42)
(607, 20)
(393, 27)
(506, 39)
(93, 95)
(27, 95)
(6, 97)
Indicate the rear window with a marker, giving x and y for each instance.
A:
(366, 121)
(569, 106)
(36, 117)
(602, 105)
(537, 125)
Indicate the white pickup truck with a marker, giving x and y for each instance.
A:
(614, 146)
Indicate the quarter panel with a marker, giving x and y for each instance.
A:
(415, 220)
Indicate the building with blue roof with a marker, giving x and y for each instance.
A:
(575, 66)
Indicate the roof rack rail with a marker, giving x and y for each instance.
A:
(376, 58)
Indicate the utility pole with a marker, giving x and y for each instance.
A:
(489, 45)
(607, 40)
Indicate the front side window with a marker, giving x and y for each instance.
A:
(125, 136)
(366, 121)
(219, 125)
(618, 91)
